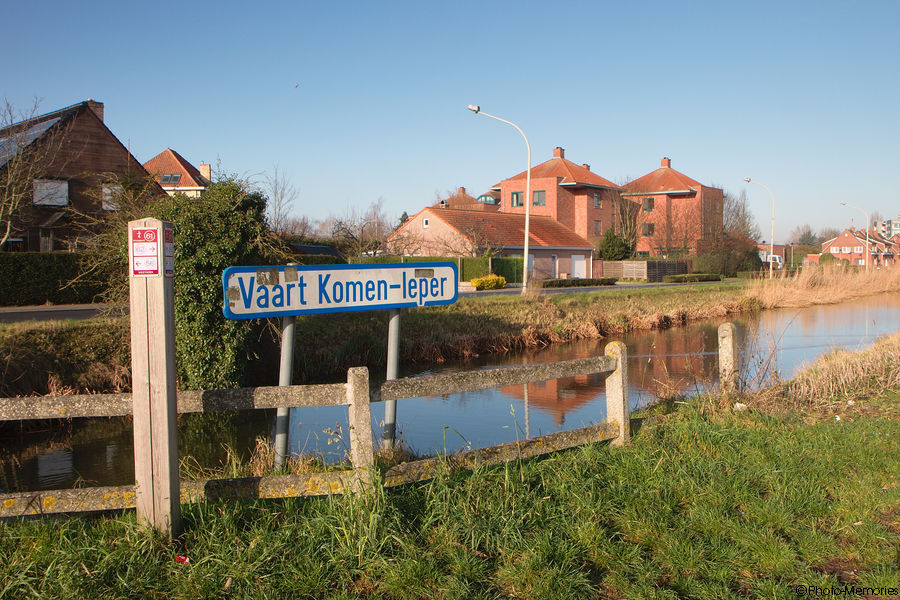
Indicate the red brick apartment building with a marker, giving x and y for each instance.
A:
(678, 215)
(566, 192)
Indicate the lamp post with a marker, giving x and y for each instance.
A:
(772, 239)
(477, 110)
(867, 230)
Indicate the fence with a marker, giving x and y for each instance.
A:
(356, 395)
(651, 270)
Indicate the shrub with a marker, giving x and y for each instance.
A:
(559, 283)
(41, 277)
(489, 282)
(613, 247)
(692, 277)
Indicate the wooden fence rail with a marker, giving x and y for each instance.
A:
(356, 395)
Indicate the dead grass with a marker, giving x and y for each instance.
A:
(822, 285)
(839, 381)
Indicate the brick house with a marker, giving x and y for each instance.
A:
(175, 174)
(554, 250)
(850, 245)
(566, 192)
(70, 160)
(678, 215)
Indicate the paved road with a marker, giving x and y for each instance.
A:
(60, 312)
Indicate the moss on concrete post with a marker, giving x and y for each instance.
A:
(362, 453)
(617, 409)
(728, 373)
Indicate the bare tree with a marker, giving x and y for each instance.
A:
(737, 220)
(828, 233)
(25, 156)
(803, 235)
(282, 195)
(361, 233)
(629, 219)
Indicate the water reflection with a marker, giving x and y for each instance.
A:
(773, 343)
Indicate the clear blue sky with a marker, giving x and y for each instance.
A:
(357, 101)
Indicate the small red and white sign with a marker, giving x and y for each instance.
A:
(144, 252)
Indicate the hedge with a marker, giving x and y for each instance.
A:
(559, 283)
(44, 277)
(692, 277)
(489, 282)
(470, 267)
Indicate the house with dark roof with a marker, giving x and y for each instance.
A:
(62, 166)
(566, 192)
(174, 174)
(678, 215)
(554, 249)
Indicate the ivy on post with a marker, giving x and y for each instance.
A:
(152, 312)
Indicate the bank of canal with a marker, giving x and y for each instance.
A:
(673, 360)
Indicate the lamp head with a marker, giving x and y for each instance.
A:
(747, 179)
(474, 108)
(843, 204)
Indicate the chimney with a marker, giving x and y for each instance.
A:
(96, 107)
(205, 171)
(559, 152)
(666, 162)
(586, 166)
(460, 191)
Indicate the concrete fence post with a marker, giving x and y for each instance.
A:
(728, 373)
(617, 408)
(362, 453)
(152, 313)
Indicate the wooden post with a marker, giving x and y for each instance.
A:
(362, 454)
(617, 408)
(151, 271)
(728, 374)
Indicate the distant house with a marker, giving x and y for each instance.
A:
(677, 215)
(554, 249)
(566, 192)
(461, 200)
(74, 160)
(175, 174)
(850, 245)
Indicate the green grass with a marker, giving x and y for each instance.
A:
(704, 504)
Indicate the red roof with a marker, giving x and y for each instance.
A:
(567, 171)
(664, 179)
(508, 229)
(169, 162)
(463, 201)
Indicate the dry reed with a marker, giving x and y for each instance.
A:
(822, 285)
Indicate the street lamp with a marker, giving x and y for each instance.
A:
(477, 110)
(772, 239)
(867, 230)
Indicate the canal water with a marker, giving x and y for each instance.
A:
(774, 344)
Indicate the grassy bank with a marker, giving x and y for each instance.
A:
(93, 355)
(706, 503)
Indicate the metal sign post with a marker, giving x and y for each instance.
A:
(393, 363)
(151, 245)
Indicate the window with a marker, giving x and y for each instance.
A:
(539, 198)
(858, 249)
(108, 194)
(648, 204)
(516, 198)
(648, 230)
(598, 202)
(170, 179)
(424, 223)
(51, 192)
(598, 227)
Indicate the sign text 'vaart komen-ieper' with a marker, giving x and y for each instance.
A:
(256, 292)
